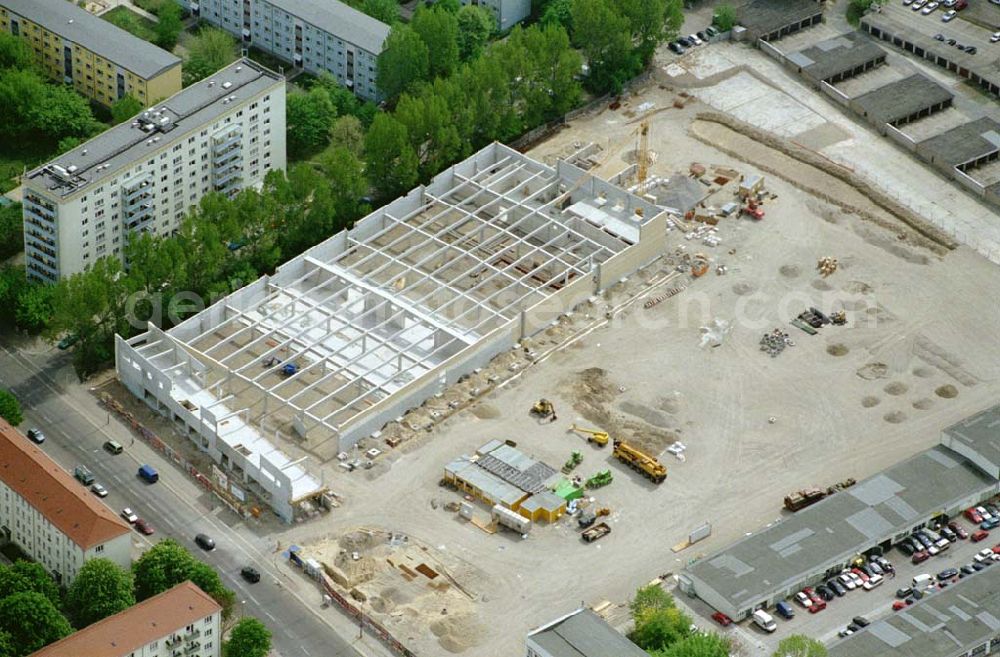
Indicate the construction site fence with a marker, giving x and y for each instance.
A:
(170, 453)
(367, 623)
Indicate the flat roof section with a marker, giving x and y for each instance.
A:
(761, 17)
(584, 634)
(102, 157)
(978, 438)
(339, 19)
(96, 34)
(954, 621)
(837, 56)
(963, 143)
(901, 99)
(840, 526)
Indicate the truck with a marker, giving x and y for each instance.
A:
(147, 473)
(803, 498)
(646, 465)
(83, 475)
(597, 532)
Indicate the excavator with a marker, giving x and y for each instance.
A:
(599, 438)
(543, 408)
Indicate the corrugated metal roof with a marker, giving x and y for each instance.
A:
(584, 634)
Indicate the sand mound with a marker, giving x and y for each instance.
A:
(873, 371)
(837, 349)
(947, 391)
(895, 417)
(896, 388)
(458, 633)
(485, 411)
(923, 404)
(870, 402)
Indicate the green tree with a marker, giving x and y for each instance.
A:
(169, 25)
(33, 310)
(701, 644)
(15, 52)
(344, 173)
(650, 598)
(28, 577)
(438, 29)
(11, 230)
(660, 628)
(404, 61)
(309, 117)
(210, 50)
(432, 134)
(167, 564)
(63, 112)
(101, 589)
(348, 133)
(475, 25)
(10, 408)
(386, 11)
(724, 17)
(67, 144)
(798, 645)
(32, 622)
(125, 108)
(605, 38)
(857, 8)
(248, 638)
(393, 166)
(6, 644)
(559, 12)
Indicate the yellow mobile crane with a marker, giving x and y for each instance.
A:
(639, 461)
(599, 438)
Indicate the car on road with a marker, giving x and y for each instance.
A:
(129, 515)
(947, 573)
(250, 574)
(83, 475)
(979, 535)
(99, 490)
(958, 529)
(803, 599)
(948, 16)
(144, 526)
(113, 447)
(205, 542)
(873, 581)
(36, 436)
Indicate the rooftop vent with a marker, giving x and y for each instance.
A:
(239, 68)
(83, 152)
(211, 83)
(226, 85)
(72, 168)
(232, 98)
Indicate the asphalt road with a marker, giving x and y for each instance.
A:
(174, 506)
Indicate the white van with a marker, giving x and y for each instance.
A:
(764, 620)
(922, 581)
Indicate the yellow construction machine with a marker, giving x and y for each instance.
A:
(647, 466)
(599, 438)
(543, 408)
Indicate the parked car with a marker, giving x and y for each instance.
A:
(996, 549)
(918, 5)
(967, 570)
(676, 48)
(899, 604)
(711, 31)
(205, 542)
(818, 603)
(694, 39)
(252, 575)
(860, 573)
(702, 35)
(985, 554)
(686, 42)
(847, 581)
(995, 37)
(929, 8)
(803, 599)
(951, 42)
(837, 588)
(144, 527)
(924, 539)
(948, 16)
(861, 621)
(875, 569)
(958, 529)
(993, 510)
(904, 592)
(873, 581)
(939, 37)
(99, 490)
(36, 436)
(907, 3)
(979, 535)
(947, 573)
(920, 557)
(825, 593)
(942, 544)
(992, 523)
(718, 617)
(946, 532)
(905, 547)
(972, 51)
(846, 632)
(129, 515)
(984, 513)
(785, 610)
(977, 566)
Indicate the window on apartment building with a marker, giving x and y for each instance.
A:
(99, 548)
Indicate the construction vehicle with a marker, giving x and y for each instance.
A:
(575, 459)
(752, 209)
(699, 264)
(596, 532)
(644, 464)
(803, 498)
(543, 408)
(602, 478)
(599, 438)
(586, 519)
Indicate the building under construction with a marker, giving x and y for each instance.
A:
(375, 320)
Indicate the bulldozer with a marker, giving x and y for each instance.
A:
(599, 438)
(646, 465)
(575, 459)
(543, 408)
(602, 478)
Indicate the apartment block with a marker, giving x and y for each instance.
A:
(50, 515)
(507, 13)
(314, 35)
(101, 61)
(222, 134)
(181, 622)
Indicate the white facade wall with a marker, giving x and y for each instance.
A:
(26, 526)
(64, 236)
(206, 633)
(507, 13)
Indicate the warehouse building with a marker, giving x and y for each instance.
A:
(183, 621)
(977, 438)
(581, 633)
(837, 59)
(772, 19)
(317, 36)
(374, 321)
(962, 620)
(819, 541)
(53, 518)
(902, 101)
(102, 62)
(222, 134)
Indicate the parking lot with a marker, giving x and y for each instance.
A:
(961, 30)
(872, 605)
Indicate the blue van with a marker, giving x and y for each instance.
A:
(785, 610)
(149, 474)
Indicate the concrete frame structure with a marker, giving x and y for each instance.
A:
(981, 70)
(581, 633)
(52, 517)
(818, 542)
(222, 134)
(773, 19)
(507, 13)
(102, 61)
(313, 35)
(381, 317)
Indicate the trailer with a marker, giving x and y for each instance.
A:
(596, 532)
(510, 519)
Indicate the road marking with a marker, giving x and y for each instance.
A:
(254, 599)
(45, 417)
(305, 651)
(268, 614)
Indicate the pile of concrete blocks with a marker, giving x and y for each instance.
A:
(775, 342)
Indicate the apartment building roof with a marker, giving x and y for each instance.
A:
(339, 19)
(64, 501)
(129, 631)
(151, 131)
(96, 35)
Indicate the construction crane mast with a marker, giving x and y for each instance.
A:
(642, 157)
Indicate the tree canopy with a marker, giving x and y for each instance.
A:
(475, 25)
(404, 61)
(125, 108)
(31, 621)
(167, 564)
(700, 644)
(15, 52)
(437, 27)
(168, 26)
(208, 51)
(724, 17)
(248, 638)
(28, 577)
(10, 408)
(798, 645)
(101, 589)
